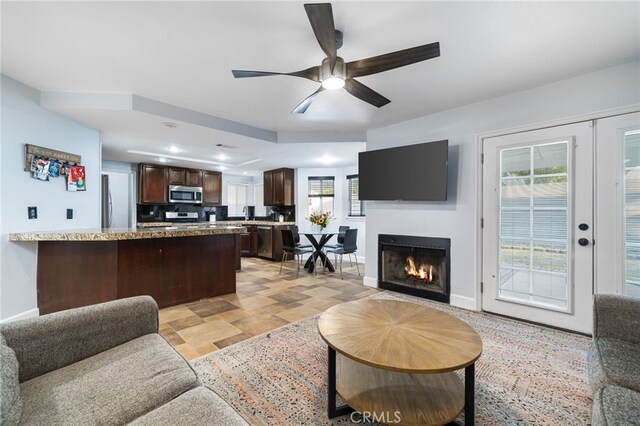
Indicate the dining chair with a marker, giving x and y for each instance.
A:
(349, 247)
(289, 248)
(340, 239)
(296, 237)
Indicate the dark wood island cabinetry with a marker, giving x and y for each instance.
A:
(171, 266)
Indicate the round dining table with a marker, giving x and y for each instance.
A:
(318, 239)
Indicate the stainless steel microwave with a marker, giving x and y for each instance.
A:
(185, 194)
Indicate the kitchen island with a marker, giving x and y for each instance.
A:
(82, 267)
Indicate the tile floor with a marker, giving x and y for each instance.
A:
(263, 301)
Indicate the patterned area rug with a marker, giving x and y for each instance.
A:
(527, 374)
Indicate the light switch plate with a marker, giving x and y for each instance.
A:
(32, 211)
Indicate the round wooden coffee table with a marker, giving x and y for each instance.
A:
(399, 361)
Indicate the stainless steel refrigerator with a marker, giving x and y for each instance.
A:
(107, 203)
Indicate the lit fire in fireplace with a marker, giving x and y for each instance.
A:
(424, 272)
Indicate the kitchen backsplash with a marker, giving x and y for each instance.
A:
(156, 213)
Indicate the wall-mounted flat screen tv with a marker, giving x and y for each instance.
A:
(411, 173)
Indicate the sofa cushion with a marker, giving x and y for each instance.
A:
(112, 387)
(10, 400)
(614, 362)
(199, 406)
(615, 406)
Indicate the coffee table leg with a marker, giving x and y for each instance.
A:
(469, 394)
(334, 411)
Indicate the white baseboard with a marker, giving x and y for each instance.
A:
(370, 282)
(463, 302)
(32, 313)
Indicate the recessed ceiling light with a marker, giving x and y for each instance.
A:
(174, 149)
(222, 157)
(223, 168)
(245, 173)
(162, 160)
(169, 124)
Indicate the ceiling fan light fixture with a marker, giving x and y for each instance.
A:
(332, 80)
(333, 83)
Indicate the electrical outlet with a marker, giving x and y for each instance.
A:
(32, 212)
(69, 213)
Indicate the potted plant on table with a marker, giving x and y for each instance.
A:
(319, 219)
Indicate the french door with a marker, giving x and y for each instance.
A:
(538, 225)
(561, 211)
(618, 205)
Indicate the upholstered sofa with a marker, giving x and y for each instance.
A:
(614, 361)
(102, 364)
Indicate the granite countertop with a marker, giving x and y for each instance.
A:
(116, 234)
(220, 222)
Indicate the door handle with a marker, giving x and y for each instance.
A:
(583, 242)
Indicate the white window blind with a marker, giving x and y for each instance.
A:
(237, 198)
(533, 223)
(632, 212)
(321, 193)
(321, 186)
(356, 207)
(258, 200)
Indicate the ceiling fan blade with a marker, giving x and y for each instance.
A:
(300, 109)
(365, 93)
(392, 60)
(312, 73)
(321, 19)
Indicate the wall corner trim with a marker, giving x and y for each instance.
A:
(370, 282)
(463, 302)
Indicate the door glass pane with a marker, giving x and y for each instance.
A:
(534, 191)
(632, 212)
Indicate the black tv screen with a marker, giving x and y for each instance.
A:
(412, 173)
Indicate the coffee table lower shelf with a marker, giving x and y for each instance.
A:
(394, 397)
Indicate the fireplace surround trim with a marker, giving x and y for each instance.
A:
(433, 243)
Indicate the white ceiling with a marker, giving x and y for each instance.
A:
(182, 53)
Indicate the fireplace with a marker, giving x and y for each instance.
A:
(419, 266)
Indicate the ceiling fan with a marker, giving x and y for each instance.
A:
(334, 73)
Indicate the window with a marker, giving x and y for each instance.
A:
(237, 198)
(258, 200)
(356, 207)
(321, 193)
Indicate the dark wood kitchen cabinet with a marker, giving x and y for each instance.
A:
(152, 184)
(193, 177)
(211, 188)
(268, 187)
(176, 176)
(188, 177)
(279, 188)
(249, 241)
